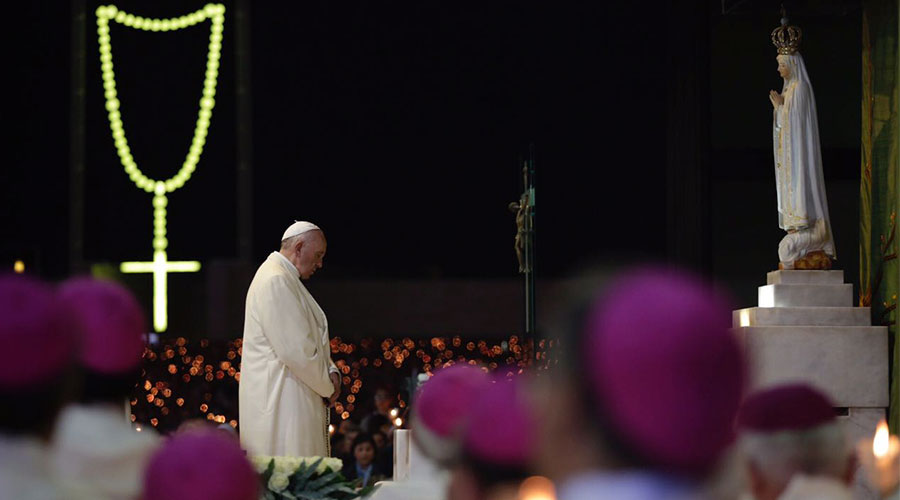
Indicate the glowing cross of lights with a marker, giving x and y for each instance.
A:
(160, 266)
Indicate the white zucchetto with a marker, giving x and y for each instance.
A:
(299, 227)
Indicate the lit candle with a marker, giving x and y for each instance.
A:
(401, 455)
(881, 459)
(537, 488)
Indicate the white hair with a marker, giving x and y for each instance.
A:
(291, 242)
(819, 451)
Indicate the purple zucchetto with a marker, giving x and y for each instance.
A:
(789, 407)
(36, 339)
(441, 408)
(112, 322)
(201, 464)
(501, 427)
(664, 369)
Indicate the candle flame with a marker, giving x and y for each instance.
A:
(881, 442)
(537, 488)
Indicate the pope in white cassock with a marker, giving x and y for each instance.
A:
(288, 380)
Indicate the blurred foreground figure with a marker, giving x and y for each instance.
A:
(200, 464)
(643, 402)
(35, 347)
(497, 445)
(793, 446)
(95, 448)
(440, 412)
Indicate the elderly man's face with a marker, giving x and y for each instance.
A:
(312, 255)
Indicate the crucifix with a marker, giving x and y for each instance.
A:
(524, 242)
(160, 266)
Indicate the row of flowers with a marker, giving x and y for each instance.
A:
(290, 478)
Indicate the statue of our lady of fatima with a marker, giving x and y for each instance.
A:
(802, 205)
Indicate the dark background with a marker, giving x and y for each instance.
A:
(397, 128)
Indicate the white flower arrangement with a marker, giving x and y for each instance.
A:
(295, 478)
(287, 465)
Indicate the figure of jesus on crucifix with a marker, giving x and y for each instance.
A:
(522, 209)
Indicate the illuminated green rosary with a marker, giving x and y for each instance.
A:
(160, 266)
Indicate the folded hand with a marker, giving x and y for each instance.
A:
(776, 98)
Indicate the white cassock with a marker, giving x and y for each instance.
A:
(804, 487)
(96, 451)
(626, 485)
(285, 366)
(25, 470)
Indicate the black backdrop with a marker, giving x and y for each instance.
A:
(396, 127)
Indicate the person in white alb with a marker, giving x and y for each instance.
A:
(622, 414)
(36, 346)
(288, 380)
(95, 450)
(792, 445)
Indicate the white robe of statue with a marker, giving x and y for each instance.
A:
(285, 365)
(802, 205)
(96, 451)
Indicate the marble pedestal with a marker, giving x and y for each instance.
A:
(806, 329)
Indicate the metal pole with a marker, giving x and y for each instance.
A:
(530, 247)
(244, 117)
(76, 138)
(688, 221)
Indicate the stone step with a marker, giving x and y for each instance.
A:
(806, 295)
(849, 363)
(802, 316)
(794, 277)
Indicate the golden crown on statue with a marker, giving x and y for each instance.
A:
(786, 38)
